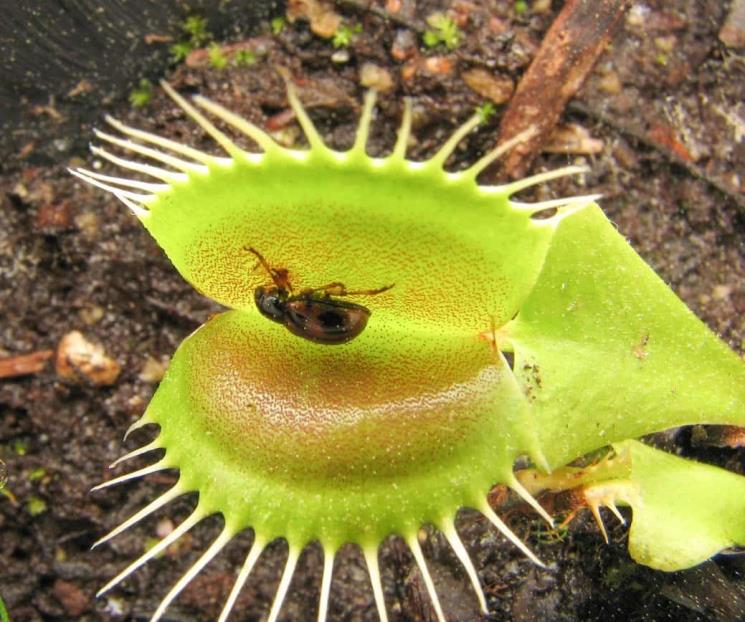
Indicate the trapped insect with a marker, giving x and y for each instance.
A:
(313, 314)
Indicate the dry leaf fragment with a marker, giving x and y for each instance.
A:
(573, 138)
(493, 87)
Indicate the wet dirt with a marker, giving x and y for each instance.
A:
(72, 258)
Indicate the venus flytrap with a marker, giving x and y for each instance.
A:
(421, 413)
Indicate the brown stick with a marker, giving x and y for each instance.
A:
(24, 364)
(645, 138)
(568, 52)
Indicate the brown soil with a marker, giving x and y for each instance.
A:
(72, 258)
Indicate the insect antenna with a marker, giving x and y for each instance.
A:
(278, 275)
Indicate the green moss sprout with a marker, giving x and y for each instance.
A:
(195, 35)
(278, 25)
(345, 34)
(36, 506)
(443, 31)
(142, 94)
(216, 58)
(486, 111)
(244, 58)
(521, 7)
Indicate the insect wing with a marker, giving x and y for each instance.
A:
(325, 321)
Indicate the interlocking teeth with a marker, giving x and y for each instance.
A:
(165, 143)
(363, 129)
(194, 518)
(180, 164)
(311, 133)
(284, 582)
(152, 446)
(451, 143)
(448, 530)
(263, 139)
(373, 569)
(220, 138)
(161, 465)
(534, 180)
(121, 181)
(328, 571)
(153, 506)
(170, 177)
(224, 537)
(402, 139)
(486, 510)
(257, 547)
(498, 151)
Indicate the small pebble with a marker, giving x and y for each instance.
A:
(375, 77)
(340, 57)
(81, 360)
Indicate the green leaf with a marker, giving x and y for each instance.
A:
(605, 351)
(684, 511)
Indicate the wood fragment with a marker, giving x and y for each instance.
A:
(647, 139)
(24, 364)
(568, 52)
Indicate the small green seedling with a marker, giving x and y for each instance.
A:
(520, 7)
(486, 111)
(142, 94)
(278, 25)
(36, 475)
(398, 335)
(35, 506)
(345, 34)
(195, 27)
(216, 58)
(244, 58)
(196, 35)
(443, 30)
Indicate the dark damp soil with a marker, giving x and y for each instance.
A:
(73, 259)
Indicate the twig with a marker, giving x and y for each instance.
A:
(577, 37)
(24, 364)
(644, 138)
